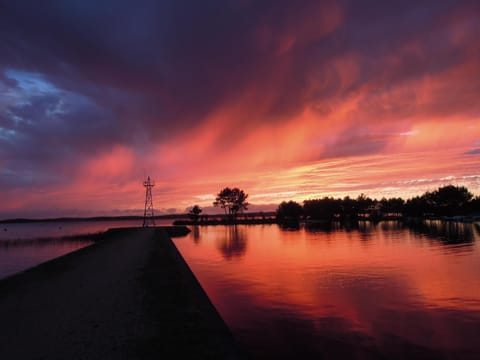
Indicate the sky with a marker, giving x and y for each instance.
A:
(287, 100)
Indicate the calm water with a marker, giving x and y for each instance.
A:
(375, 292)
(25, 245)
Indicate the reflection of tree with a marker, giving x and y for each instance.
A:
(448, 232)
(233, 243)
(196, 234)
(321, 227)
(366, 229)
(391, 225)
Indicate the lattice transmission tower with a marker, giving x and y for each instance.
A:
(148, 218)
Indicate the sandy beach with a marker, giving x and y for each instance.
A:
(129, 296)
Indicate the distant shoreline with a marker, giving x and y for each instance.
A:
(121, 218)
(80, 219)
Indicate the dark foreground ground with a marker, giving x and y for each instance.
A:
(129, 296)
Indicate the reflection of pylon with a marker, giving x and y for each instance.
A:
(148, 218)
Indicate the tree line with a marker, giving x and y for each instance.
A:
(446, 201)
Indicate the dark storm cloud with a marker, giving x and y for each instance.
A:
(144, 71)
(194, 55)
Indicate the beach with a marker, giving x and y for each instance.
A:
(129, 296)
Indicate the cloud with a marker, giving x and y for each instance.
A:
(227, 88)
(48, 130)
(181, 61)
(473, 152)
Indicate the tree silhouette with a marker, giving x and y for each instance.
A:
(322, 209)
(392, 206)
(194, 212)
(363, 204)
(288, 213)
(232, 201)
(349, 209)
(474, 205)
(451, 200)
(416, 206)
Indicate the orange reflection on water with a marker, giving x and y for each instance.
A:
(377, 282)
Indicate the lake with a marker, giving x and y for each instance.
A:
(385, 291)
(370, 292)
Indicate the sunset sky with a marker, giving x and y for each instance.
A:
(288, 100)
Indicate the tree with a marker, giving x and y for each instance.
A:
(451, 200)
(474, 206)
(363, 205)
(194, 212)
(322, 209)
(232, 201)
(416, 206)
(288, 213)
(349, 209)
(392, 207)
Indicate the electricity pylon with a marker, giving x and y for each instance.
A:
(148, 218)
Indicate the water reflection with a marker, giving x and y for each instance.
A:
(6, 245)
(364, 227)
(391, 225)
(19, 255)
(447, 232)
(233, 243)
(324, 227)
(196, 234)
(324, 294)
(356, 323)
